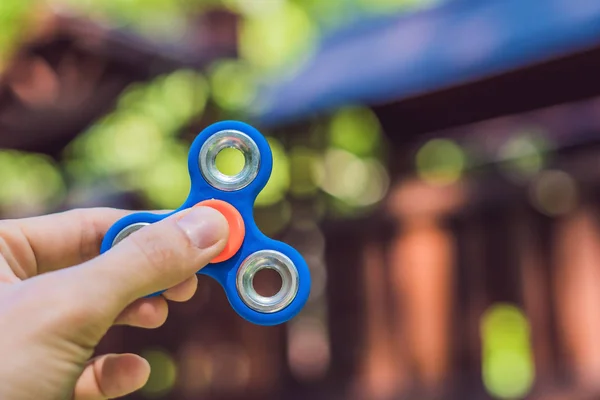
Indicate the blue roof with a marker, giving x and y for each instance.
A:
(460, 41)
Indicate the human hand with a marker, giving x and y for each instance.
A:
(58, 297)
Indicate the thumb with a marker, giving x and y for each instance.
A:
(155, 257)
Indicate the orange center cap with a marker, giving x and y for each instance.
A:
(237, 229)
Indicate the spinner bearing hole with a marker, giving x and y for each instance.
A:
(274, 297)
(267, 282)
(230, 161)
(234, 171)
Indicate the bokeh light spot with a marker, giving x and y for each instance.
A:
(163, 373)
(554, 193)
(277, 37)
(507, 363)
(345, 175)
(279, 183)
(304, 165)
(330, 14)
(355, 181)
(524, 155)
(166, 183)
(14, 18)
(29, 181)
(169, 101)
(136, 143)
(376, 186)
(387, 6)
(253, 7)
(184, 94)
(233, 84)
(440, 162)
(355, 130)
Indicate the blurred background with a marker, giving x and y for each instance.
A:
(436, 162)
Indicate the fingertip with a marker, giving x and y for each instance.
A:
(235, 224)
(122, 374)
(205, 227)
(183, 291)
(112, 376)
(149, 313)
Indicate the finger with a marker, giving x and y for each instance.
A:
(156, 257)
(147, 313)
(7, 273)
(183, 291)
(111, 376)
(55, 241)
(152, 312)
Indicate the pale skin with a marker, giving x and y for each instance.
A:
(59, 297)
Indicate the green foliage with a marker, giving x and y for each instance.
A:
(162, 20)
(138, 146)
(29, 179)
(386, 6)
(356, 130)
(13, 17)
(138, 143)
(277, 187)
(277, 37)
(508, 368)
(233, 84)
(304, 163)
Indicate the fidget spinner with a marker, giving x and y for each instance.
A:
(248, 250)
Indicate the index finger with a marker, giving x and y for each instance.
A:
(55, 241)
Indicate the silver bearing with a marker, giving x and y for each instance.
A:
(267, 259)
(229, 139)
(128, 230)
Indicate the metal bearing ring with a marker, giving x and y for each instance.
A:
(267, 259)
(128, 230)
(208, 157)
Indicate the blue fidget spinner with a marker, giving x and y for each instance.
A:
(234, 196)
